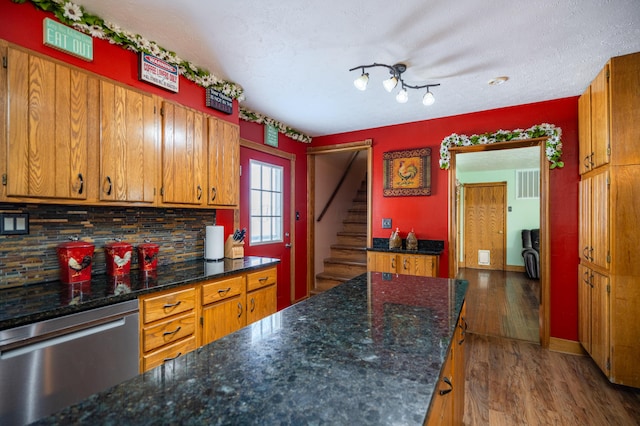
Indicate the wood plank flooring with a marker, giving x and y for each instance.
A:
(505, 304)
(511, 380)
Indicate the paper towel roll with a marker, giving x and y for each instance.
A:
(214, 243)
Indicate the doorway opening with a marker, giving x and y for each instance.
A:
(339, 213)
(456, 237)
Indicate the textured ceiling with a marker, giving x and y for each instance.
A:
(292, 57)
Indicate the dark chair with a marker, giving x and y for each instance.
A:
(531, 252)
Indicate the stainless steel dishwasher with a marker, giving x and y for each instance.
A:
(49, 365)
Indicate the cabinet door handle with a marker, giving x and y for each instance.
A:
(172, 305)
(393, 263)
(585, 253)
(81, 179)
(239, 309)
(446, 391)
(591, 254)
(463, 325)
(253, 304)
(591, 160)
(199, 192)
(223, 293)
(108, 191)
(214, 193)
(404, 264)
(587, 163)
(166, 333)
(171, 359)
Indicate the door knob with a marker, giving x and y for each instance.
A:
(287, 245)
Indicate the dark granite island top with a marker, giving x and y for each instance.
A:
(369, 351)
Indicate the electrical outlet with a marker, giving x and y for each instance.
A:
(386, 223)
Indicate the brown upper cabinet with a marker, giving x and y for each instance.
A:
(184, 133)
(73, 137)
(128, 144)
(51, 125)
(224, 163)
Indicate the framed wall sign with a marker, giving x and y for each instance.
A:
(218, 100)
(407, 172)
(156, 71)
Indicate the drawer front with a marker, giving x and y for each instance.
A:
(161, 356)
(223, 289)
(159, 307)
(168, 332)
(261, 278)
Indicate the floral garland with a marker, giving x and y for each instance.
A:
(255, 117)
(77, 17)
(553, 146)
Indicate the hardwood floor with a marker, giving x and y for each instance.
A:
(505, 304)
(512, 381)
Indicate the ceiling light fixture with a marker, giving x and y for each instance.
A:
(392, 82)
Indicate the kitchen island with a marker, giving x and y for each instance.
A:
(369, 351)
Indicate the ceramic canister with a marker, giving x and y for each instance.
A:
(75, 258)
(148, 256)
(118, 257)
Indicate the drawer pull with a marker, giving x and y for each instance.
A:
(253, 304)
(166, 333)
(404, 264)
(239, 309)
(171, 359)
(224, 292)
(263, 279)
(446, 391)
(172, 305)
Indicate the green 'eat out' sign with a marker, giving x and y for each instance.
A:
(67, 39)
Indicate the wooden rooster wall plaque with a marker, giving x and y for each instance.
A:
(407, 172)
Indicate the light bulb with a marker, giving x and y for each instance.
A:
(402, 96)
(428, 99)
(390, 83)
(361, 82)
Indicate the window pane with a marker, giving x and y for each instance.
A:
(277, 230)
(277, 179)
(266, 229)
(266, 178)
(255, 203)
(276, 202)
(266, 204)
(255, 175)
(254, 230)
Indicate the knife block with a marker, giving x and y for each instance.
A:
(233, 249)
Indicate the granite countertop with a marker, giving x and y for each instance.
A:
(369, 351)
(429, 247)
(38, 302)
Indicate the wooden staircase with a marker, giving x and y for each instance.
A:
(349, 255)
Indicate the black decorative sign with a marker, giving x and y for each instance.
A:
(219, 101)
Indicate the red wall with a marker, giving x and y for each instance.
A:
(255, 133)
(22, 24)
(428, 215)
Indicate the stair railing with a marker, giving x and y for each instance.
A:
(335, 191)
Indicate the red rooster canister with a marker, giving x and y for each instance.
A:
(118, 257)
(75, 258)
(148, 256)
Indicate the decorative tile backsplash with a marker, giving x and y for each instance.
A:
(32, 258)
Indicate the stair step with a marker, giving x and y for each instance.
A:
(350, 252)
(344, 267)
(354, 226)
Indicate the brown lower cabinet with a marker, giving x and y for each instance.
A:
(447, 402)
(176, 321)
(423, 265)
